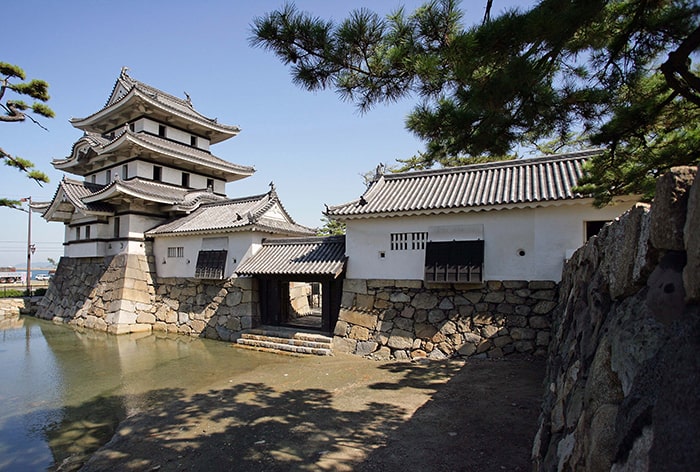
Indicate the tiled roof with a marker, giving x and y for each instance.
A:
(233, 215)
(172, 104)
(184, 154)
(76, 190)
(297, 256)
(69, 196)
(522, 182)
(191, 154)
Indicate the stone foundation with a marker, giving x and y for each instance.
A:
(622, 389)
(121, 295)
(405, 319)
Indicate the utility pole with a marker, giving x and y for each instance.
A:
(29, 247)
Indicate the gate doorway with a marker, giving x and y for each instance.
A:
(304, 304)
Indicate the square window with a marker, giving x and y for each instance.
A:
(178, 251)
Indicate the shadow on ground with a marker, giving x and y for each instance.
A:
(479, 415)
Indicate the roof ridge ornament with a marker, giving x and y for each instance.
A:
(124, 73)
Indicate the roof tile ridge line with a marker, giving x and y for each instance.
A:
(495, 164)
(302, 240)
(366, 195)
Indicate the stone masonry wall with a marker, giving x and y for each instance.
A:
(622, 389)
(404, 319)
(120, 295)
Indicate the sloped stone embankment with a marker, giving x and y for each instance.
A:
(623, 375)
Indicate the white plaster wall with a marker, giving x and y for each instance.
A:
(547, 235)
(174, 134)
(240, 247)
(174, 176)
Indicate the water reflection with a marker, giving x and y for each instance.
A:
(64, 391)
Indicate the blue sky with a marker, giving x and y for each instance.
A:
(313, 146)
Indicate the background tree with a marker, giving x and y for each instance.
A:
(330, 227)
(617, 74)
(12, 79)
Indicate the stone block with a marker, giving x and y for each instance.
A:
(515, 284)
(400, 339)
(140, 328)
(382, 354)
(541, 285)
(357, 318)
(147, 318)
(691, 235)
(360, 333)
(425, 301)
(446, 304)
(467, 349)
(399, 297)
(347, 300)
(501, 341)
(489, 331)
(364, 302)
(522, 333)
(474, 297)
(539, 322)
(374, 284)
(495, 353)
(516, 321)
(482, 319)
(233, 298)
(341, 328)
(355, 286)
(448, 328)
(380, 304)
(544, 307)
(436, 316)
(414, 284)
(365, 348)
(403, 323)
(408, 312)
(495, 297)
(668, 214)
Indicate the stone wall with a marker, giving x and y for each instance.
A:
(405, 319)
(11, 307)
(622, 386)
(120, 294)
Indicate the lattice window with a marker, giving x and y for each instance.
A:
(454, 261)
(408, 241)
(176, 251)
(211, 264)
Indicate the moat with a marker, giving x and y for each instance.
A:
(64, 391)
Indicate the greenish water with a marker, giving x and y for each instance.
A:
(64, 391)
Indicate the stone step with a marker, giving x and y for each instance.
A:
(286, 341)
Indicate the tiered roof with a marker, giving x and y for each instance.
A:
(507, 184)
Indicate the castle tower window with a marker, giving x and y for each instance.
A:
(116, 227)
(193, 141)
(161, 131)
(125, 172)
(108, 179)
(157, 173)
(186, 180)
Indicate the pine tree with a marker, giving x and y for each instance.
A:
(615, 73)
(12, 79)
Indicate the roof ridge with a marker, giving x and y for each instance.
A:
(303, 239)
(495, 164)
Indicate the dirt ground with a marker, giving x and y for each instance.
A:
(341, 413)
